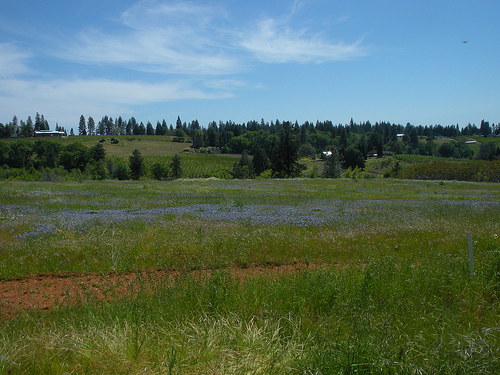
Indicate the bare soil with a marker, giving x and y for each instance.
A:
(47, 291)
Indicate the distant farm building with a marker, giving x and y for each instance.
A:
(49, 133)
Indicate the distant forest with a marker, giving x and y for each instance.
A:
(277, 145)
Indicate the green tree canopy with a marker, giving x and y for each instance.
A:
(353, 158)
(260, 161)
(97, 153)
(136, 165)
(74, 155)
(332, 165)
(176, 167)
(82, 127)
(20, 154)
(285, 153)
(47, 153)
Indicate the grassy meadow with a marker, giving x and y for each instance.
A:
(386, 287)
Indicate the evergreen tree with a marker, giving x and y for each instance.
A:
(30, 129)
(109, 125)
(129, 130)
(26, 128)
(142, 129)
(122, 125)
(243, 169)
(136, 165)
(82, 128)
(97, 153)
(413, 138)
(260, 161)
(197, 138)
(101, 128)
(178, 123)
(485, 128)
(91, 126)
(164, 127)
(176, 167)
(149, 129)
(44, 123)
(285, 155)
(212, 136)
(15, 124)
(38, 122)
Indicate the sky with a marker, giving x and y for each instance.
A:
(417, 61)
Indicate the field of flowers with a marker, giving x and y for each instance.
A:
(386, 287)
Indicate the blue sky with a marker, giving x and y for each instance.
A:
(385, 60)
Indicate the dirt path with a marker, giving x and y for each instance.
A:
(47, 292)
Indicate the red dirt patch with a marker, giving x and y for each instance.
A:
(46, 292)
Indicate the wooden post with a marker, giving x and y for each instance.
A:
(471, 261)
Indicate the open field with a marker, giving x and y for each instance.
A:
(298, 276)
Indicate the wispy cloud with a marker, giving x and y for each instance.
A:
(194, 50)
(12, 60)
(192, 38)
(161, 38)
(69, 98)
(277, 42)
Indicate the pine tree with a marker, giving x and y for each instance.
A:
(149, 129)
(38, 122)
(176, 167)
(285, 155)
(91, 126)
(136, 165)
(260, 160)
(82, 128)
(158, 130)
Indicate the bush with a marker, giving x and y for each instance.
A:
(159, 171)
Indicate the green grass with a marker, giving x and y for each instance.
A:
(388, 290)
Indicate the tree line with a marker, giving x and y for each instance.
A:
(52, 159)
(26, 129)
(275, 147)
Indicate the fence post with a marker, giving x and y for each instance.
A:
(471, 261)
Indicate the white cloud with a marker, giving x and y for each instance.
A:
(199, 39)
(69, 99)
(12, 60)
(187, 39)
(161, 38)
(277, 42)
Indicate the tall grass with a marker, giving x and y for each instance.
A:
(420, 315)
(387, 289)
